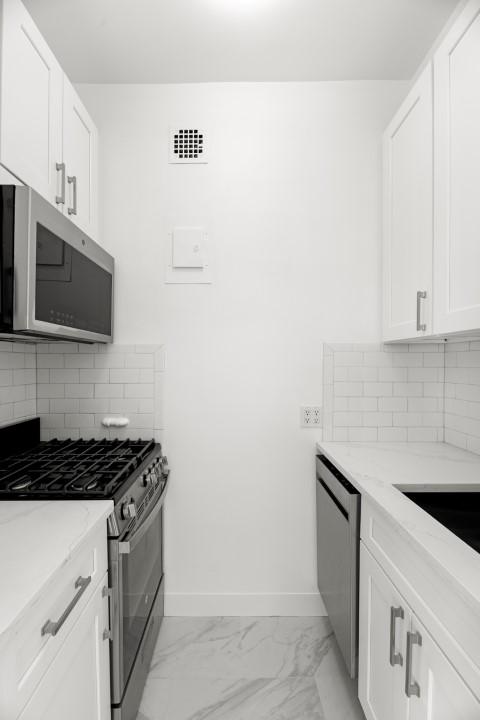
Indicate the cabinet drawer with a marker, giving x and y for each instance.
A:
(450, 615)
(28, 651)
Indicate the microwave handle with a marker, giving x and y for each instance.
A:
(125, 547)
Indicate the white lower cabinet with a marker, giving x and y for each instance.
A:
(76, 685)
(403, 674)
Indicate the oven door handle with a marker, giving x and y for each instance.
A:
(125, 547)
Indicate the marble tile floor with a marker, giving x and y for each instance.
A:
(247, 668)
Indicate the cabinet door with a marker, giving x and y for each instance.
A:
(80, 158)
(407, 215)
(381, 642)
(31, 102)
(77, 684)
(457, 175)
(443, 694)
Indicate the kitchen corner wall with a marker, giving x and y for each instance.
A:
(78, 385)
(17, 382)
(290, 199)
(389, 393)
(462, 395)
(72, 387)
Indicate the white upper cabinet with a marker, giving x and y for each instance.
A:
(80, 158)
(31, 102)
(47, 138)
(407, 216)
(457, 175)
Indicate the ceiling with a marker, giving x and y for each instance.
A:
(171, 41)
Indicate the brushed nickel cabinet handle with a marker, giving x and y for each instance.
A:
(421, 295)
(60, 199)
(395, 657)
(411, 687)
(52, 627)
(72, 180)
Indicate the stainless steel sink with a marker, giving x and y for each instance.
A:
(457, 507)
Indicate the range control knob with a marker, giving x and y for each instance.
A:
(129, 509)
(164, 466)
(147, 479)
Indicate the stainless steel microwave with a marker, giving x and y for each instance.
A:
(55, 281)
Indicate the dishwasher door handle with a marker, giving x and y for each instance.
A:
(332, 497)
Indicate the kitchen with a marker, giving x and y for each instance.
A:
(260, 308)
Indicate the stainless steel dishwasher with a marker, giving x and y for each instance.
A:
(338, 537)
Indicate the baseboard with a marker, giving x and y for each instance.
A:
(244, 604)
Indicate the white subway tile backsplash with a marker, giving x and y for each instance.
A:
(378, 389)
(6, 377)
(391, 394)
(139, 390)
(363, 434)
(94, 405)
(97, 375)
(408, 389)
(392, 404)
(424, 435)
(12, 394)
(24, 408)
(79, 390)
(425, 374)
(64, 405)
(79, 420)
(392, 374)
(140, 360)
(80, 385)
(79, 361)
(51, 360)
(23, 377)
(411, 359)
(124, 375)
(347, 419)
(377, 419)
(16, 381)
(366, 404)
(392, 434)
(61, 375)
(110, 360)
(104, 390)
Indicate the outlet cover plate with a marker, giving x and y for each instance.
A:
(311, 416)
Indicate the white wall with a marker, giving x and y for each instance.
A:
(291, 201)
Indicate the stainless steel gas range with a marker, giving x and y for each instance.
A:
(134, 474)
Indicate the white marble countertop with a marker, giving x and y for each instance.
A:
(376, 468)
(36, 538)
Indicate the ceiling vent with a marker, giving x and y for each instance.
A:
(187, 145)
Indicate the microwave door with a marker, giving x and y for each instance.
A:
(64, 279)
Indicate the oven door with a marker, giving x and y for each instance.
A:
(136, 566)
(63, 280)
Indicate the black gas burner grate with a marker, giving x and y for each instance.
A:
(72, 468)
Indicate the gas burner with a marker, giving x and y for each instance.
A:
(77, 468)
(21, 484)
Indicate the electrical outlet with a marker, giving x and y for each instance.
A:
(311, 416)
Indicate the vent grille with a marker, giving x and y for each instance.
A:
(187, 145)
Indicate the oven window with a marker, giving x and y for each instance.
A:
(70, 289)
(142, 571)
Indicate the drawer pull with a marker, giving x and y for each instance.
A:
(411, 687)
(51, 627)
(395, 657)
